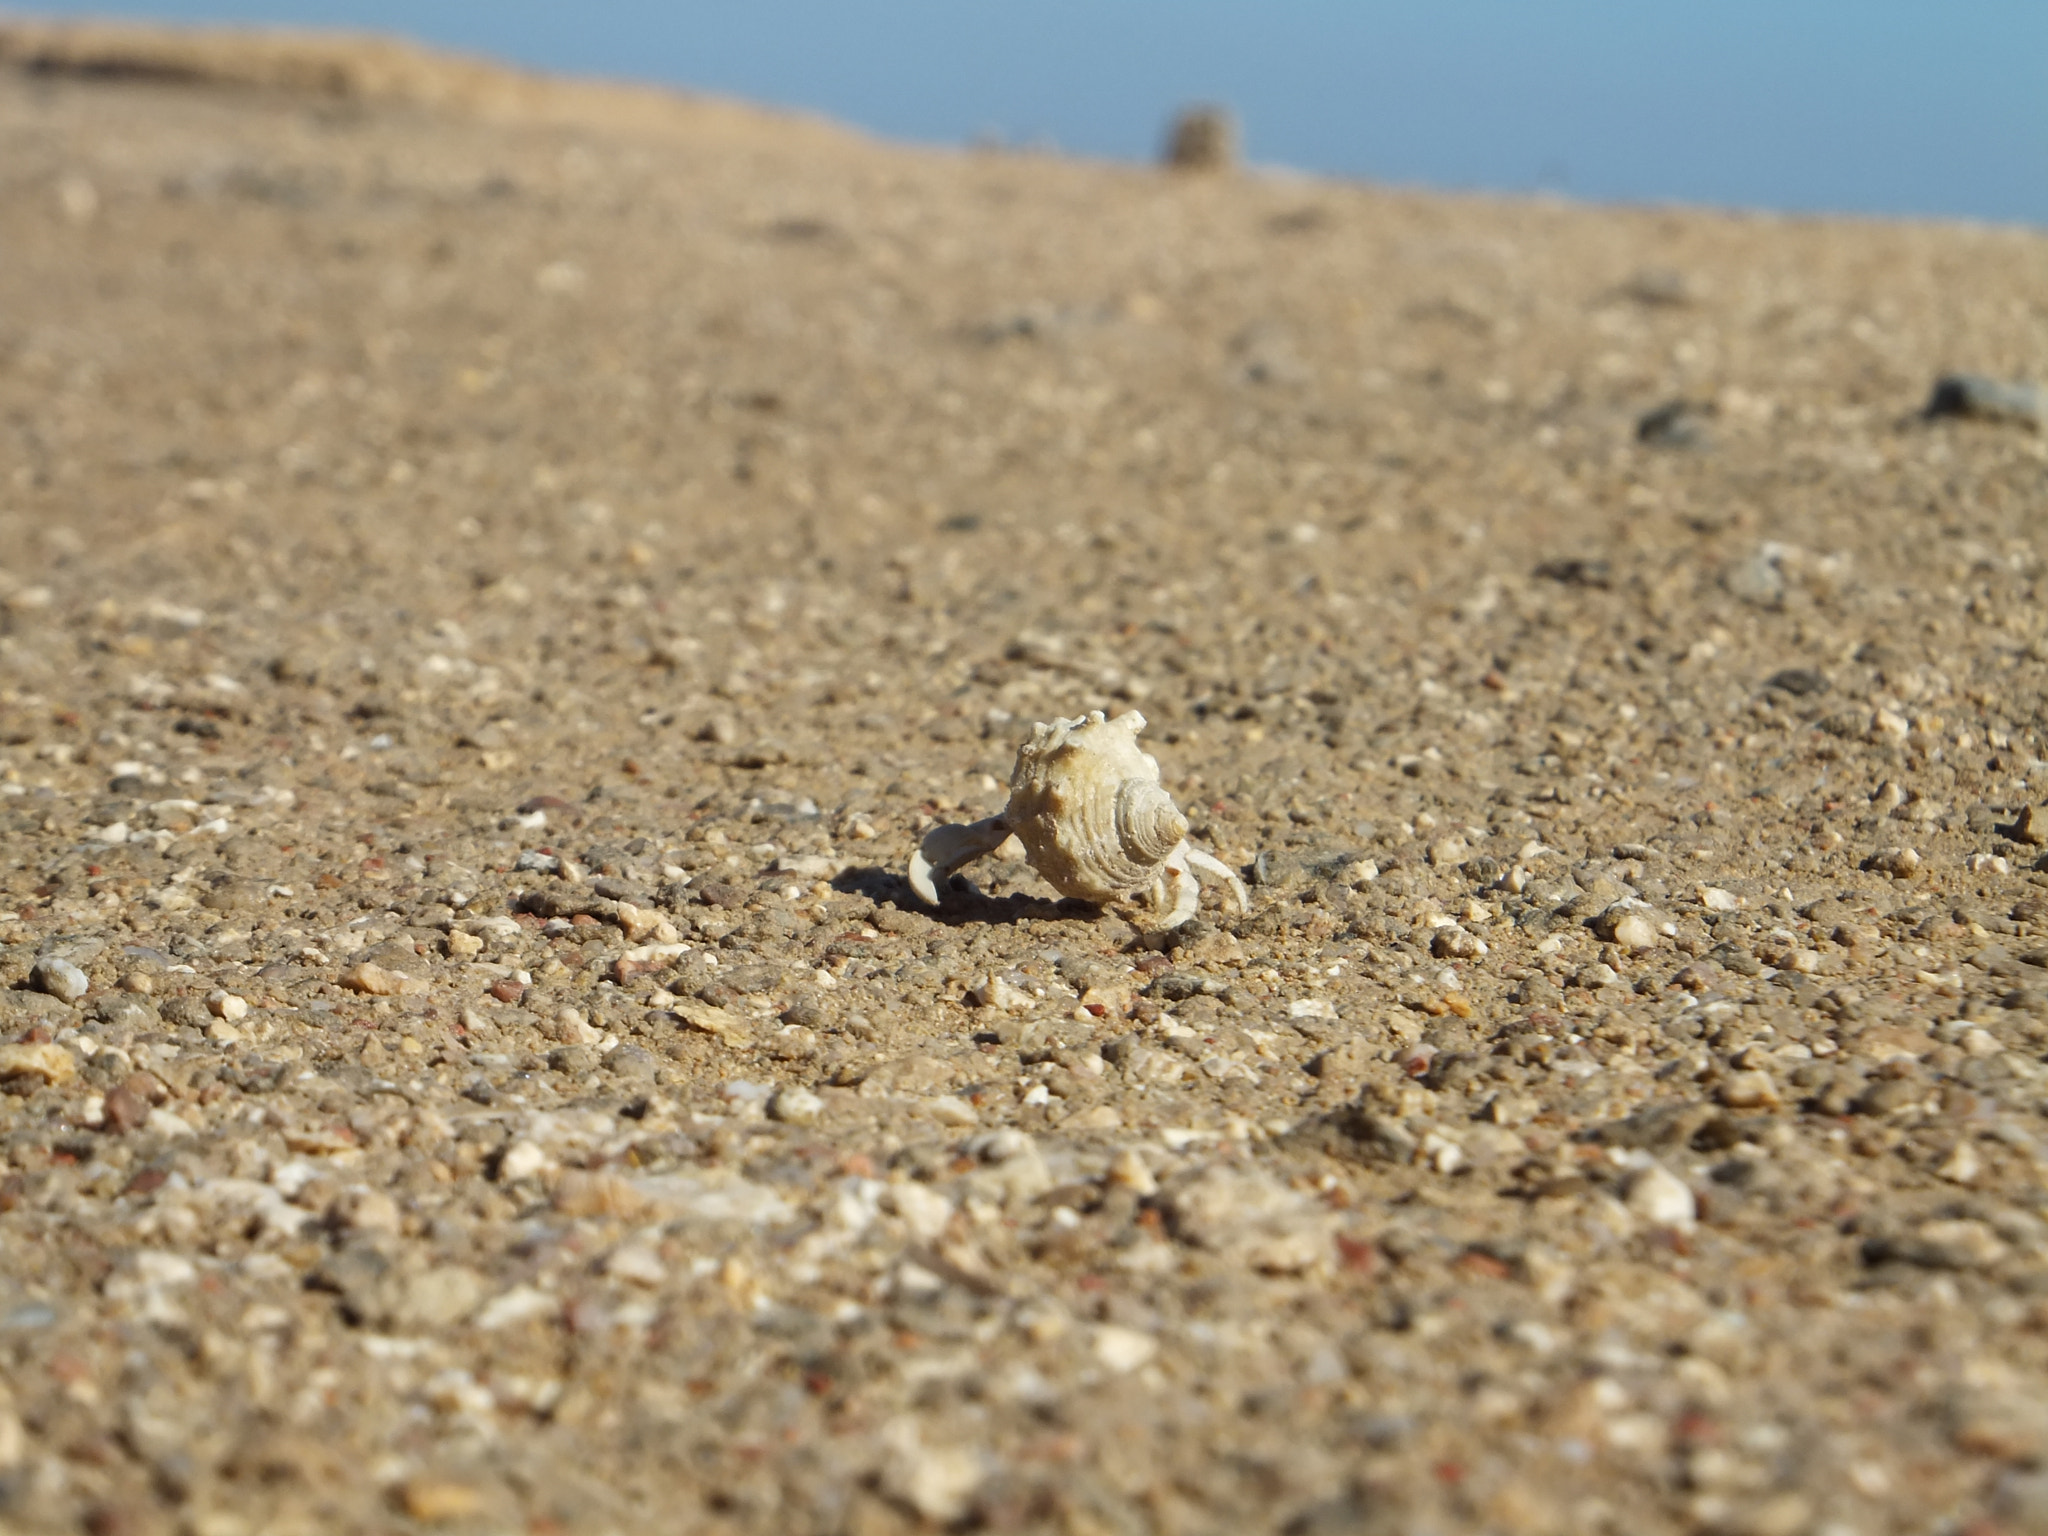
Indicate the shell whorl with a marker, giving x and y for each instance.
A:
(1149, 825)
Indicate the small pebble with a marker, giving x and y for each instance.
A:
(1636, 930)
(124, 1110)
(995, 992)
(372, 1210)
(1661, 1198)
(1127, 1170)
(1962, 1165)
(1124, 1349)
(522, 1160)
(435, 1501)
(1676, 424)
(638, 1263)
(227, 1006)
(1448, 853)
(633, 1063)
(60, 979)
(1454, 943)
(1984, 399)
(796, 1106)
(52, 1063)
(375, 981)
(1201, 138)
(938, 1482)
(2031, 826)
(597, 1192)
(925, 1211)
(1749, 1090)
(1952, 1243)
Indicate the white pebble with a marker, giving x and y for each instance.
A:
(939, 1482)
(162, 1122)
(1662, 1199)
(225, 1005)
(1962, 1165)
(796, 1106)
(1124, 1349)
(60, 979)
(995, 992)
(1127, 1170)
(636, 1262)
(522, 1160)
(923, 1209)
(948, 1109)
(1635, 930)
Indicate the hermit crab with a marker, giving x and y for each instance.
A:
(1093, 818)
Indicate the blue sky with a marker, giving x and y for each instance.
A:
(1890, 107)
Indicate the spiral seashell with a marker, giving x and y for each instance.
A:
(1089, 809)
(1093, 817)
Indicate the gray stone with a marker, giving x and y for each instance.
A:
(633, 1062)
(122, 1010)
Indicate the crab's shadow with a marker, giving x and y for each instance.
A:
(960, 902)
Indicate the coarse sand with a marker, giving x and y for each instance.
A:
(498, 574)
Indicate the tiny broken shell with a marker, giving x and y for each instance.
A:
(1093, 818)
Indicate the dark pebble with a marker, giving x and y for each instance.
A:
(1675, 424)
(1981, 399)
(1801, 682)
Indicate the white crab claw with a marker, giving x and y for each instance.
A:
(945, 849)
(1211, 865)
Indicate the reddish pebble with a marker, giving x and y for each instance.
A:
(1416, 1063)
(507, 991)
(1474, 1262)
(1356, 1255)
(125, 1110)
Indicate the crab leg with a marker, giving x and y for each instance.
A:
(1177, 881)
(946, 849)
(1209, 864)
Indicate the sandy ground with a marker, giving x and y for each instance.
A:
(497, 576)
